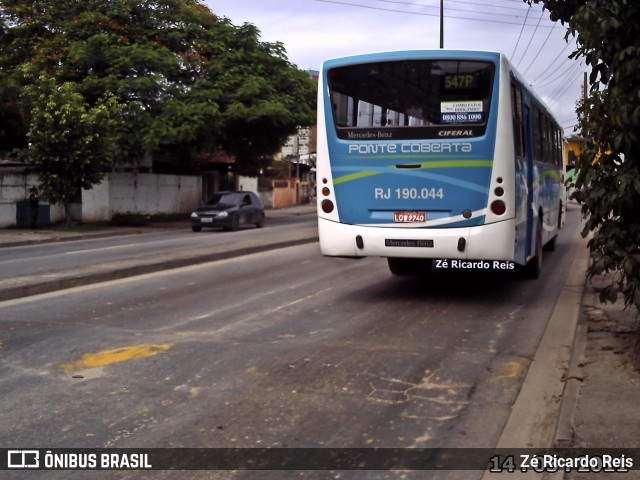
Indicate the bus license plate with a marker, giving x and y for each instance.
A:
(409, 217)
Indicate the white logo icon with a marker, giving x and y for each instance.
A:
(23, 459)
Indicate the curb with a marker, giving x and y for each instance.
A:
(70, 238)
(564, 433)
(541, 412)
(534, 416)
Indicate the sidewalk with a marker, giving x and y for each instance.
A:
(602, 386)
(606, 367)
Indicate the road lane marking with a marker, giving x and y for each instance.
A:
(122, 354)
(103, 248)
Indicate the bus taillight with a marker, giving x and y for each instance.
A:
(327, 206)
(498, 207)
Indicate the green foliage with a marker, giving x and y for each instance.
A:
(70, 143)
(189, 80)
(608, 182)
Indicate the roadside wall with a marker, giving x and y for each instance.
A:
(140, 193)
(286, 192)
(247, 184)
(126, 192)
(14, 206)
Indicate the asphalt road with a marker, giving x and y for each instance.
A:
(51, 257)
(276, 349)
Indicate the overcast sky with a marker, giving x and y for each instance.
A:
(315, 30)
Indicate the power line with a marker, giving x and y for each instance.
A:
(412, 4)
(520, 36)
(523, 24)
(538, 78)
(369, 7)
(571, 66)
(540, 51)
(557, 94)
(489, 5)
(531, 39)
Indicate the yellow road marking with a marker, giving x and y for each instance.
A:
(512, 369)
(122, 354)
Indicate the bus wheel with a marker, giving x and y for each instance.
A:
(414, 267)
(534, 267)
(550, 246)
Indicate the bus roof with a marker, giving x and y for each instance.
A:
(410, 54)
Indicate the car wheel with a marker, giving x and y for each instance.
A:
(260, 222)
(234, 225)
(196, 229)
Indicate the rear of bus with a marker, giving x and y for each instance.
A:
(415, 156)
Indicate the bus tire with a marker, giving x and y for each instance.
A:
(410, 267)
(533, 269)
(550, 246)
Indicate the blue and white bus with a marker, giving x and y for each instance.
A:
(436, 159)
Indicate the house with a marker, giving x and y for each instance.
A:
(572, 150)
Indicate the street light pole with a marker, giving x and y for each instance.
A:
(441, 23)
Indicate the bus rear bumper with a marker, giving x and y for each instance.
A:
(494, 241)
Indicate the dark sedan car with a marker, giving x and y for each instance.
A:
(229, 210)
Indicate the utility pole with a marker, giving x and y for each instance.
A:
(585, 96)
(441, 24)
(298, 166)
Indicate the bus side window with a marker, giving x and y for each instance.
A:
(557, 146)
(537, 135)
(546, 139)
(518, 121)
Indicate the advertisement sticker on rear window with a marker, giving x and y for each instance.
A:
(461, 112)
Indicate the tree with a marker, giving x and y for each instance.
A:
(608, 183)
(70, 143)
(189, 81)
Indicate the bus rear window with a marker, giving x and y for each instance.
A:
(411, 98)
